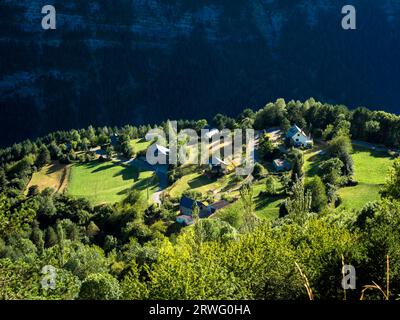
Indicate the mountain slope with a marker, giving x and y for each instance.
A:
(110, 63)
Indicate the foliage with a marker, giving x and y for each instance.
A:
(318, 194)
(98, 286)
(391, 189)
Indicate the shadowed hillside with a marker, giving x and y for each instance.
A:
(109, 63)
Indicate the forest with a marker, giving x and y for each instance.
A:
(58, 246)
(136, 62)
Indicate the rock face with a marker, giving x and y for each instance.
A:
(135, 61)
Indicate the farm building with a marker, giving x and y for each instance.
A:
(219, 205)
(185, 220)
(281, 165)
(299, 138)
(186, 209)
(187, 204)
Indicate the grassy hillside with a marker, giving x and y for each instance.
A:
(108, 182)
(264, 207)
(371, 169)
(53, 176)
(201, 183)
(140, 145)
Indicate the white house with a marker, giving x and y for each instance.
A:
(161, 150)
(298, 137)
(211, 133)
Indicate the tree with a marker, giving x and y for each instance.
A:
(200, 124)
(132, 286)
(259, 171)
(339, 145)
(270, 185)
(33, 191)
(100, 286)
(43, 157)
(92, 230)
(391, 189)
(3, 180)
(19, 280)
(341, 148)
(342, 126)
(55, 150)
(348, 164)
(87, 260)
(297, 164)
(331, 170)
(246, 197)
(232, 215)
(299, 203)
(372, 128)
(47, 210)
(318, 194)
(266, 148)
(51, 237)
(37, 239)
(127, 149)
(109, 151)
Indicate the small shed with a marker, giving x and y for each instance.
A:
(184, 220)
(281, 165)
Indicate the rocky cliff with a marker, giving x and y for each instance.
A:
(134, 61)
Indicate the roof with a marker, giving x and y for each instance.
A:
(211, 133)
(187, 202)
(217, 161)
(280, 163)
(162, 150)
(295, 130)
(220, 204)
(186, 219)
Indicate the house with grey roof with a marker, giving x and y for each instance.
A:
(298, 138)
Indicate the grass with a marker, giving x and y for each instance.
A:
(312, 159)
(199, 182)
(140, 145)
(356, 197)
(371, 170)
(108, 182)
(371, 167)
(53, 176)
(266, 207)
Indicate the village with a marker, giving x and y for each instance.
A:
(219, 168)
(104, 174)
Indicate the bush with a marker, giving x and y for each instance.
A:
(259, 171)
(100, 286)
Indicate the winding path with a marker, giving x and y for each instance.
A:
(160, 170)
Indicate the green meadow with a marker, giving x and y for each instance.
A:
(108, 182)
(140, 145)
(370, 170)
